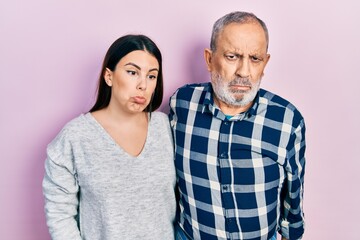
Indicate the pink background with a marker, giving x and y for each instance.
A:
(51, 52)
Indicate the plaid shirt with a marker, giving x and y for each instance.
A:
(239, 177)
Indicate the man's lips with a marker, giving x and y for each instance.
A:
(241, 87)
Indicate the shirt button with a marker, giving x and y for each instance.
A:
(223, 155)
(226, 123)
(225, 188)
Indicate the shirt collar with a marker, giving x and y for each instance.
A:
(209, 106)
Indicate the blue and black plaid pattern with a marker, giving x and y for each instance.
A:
(239, 177)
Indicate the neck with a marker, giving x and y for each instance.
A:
(231, 110)
(117, 115)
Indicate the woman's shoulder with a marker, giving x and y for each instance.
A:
(76, 124)
(70, 132)
(159, 119)
(159, 115)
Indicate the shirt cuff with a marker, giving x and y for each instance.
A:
(292, 231)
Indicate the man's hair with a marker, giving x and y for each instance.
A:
(235, 17)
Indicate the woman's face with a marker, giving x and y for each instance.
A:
(133, 81)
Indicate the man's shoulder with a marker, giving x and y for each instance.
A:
(273, 100)
(190, 89)
(194, 87)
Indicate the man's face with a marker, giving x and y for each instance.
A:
(237, 65)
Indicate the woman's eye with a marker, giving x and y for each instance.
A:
(133, 73)
(152, 77)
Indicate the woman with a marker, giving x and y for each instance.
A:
(109, 172)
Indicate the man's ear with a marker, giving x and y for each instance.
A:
(208, 58)
(267, 58)
(108, 76)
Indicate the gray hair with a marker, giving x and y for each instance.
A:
(235, 17)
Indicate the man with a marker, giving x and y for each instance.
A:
(239, 149)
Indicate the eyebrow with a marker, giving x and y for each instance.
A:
(136, 66)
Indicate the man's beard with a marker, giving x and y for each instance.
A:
(234, 97)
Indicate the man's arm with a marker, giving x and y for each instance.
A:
(292, 217)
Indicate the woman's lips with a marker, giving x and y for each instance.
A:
(139, 100)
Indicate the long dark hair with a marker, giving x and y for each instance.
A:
(115, 53)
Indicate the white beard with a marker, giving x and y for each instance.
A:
(236, 98)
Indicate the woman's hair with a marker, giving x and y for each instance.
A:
(116, 52)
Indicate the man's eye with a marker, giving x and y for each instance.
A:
(255, 59)
(231, 57)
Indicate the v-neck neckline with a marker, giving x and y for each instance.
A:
(103, 131)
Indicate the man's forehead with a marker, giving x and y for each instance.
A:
(239, 47)
(238, 37)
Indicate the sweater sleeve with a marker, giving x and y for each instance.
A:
(60, 188)
(292, 216)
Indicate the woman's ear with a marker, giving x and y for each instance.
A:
(208, 56)
(108, 76)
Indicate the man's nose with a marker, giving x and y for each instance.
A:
(243, 68)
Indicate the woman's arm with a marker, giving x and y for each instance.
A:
(60, 188)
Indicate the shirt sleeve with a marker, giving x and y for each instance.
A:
(172, 114)
(292, 215)
(60, 188)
